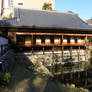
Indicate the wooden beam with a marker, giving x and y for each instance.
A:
(58, 34)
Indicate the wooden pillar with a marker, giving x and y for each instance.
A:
(62, 48)
(71, 52)
(21, 50)
(43, 50)
(53, 50)
(62, 71)
(32, 44)
(79, 63)
(71, 65)
(86, 58)
(53, 60)
(86, 40)
(32, 51)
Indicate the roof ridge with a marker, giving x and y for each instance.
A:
(53, 11)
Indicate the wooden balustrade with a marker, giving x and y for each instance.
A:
(59, 41)
(53, 44)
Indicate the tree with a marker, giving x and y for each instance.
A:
(89, 21)
(47, 6)
(8, 17)
(70, 12)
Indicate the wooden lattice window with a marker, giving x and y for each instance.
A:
(47, 41)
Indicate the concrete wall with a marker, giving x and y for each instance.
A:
(7, 61)
(32, 4)
(3, 41)
(26, 4)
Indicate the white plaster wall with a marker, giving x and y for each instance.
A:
(27, 4)
(5, 5)
(3, 41)
(32, 4)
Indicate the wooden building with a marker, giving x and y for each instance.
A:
(36, 31)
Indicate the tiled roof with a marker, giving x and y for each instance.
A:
(42, 18)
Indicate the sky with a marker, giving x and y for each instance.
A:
(82, 7)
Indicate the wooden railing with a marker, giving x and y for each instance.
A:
(52, 44)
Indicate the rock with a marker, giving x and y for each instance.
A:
(73, 85)
(81, 88)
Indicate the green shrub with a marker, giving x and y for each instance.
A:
(7, 77)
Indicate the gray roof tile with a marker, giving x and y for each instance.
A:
(47, 19)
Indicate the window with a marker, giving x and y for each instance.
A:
(79, 40)
(72, 41)
(38, 41)
(10, 2)
(47, 41)
(56, 41)
(20, 3)
(27, 41)
(65, 41)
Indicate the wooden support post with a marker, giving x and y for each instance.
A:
(21, 51)
(32, 50)
(86, 40)
(71, 52)
(62, 53)
(62, 58)
(62, 48)
(43, 50)
(86, 74)
(53, 60)
(53, 50)
(79, 63)
(32, 44)
(71, 65)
